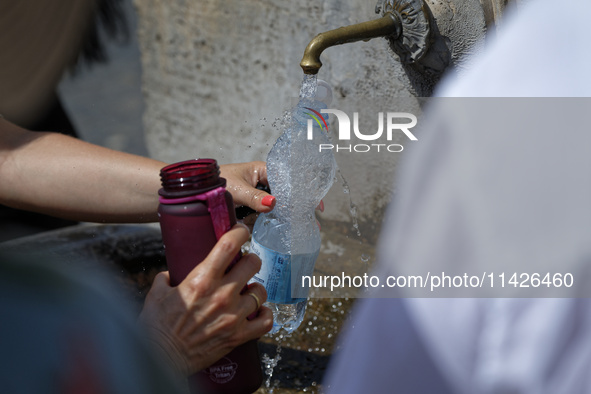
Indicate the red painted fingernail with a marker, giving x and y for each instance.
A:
(321, 206)
(268, 200)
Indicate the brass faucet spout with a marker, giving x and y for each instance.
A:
(388, 25)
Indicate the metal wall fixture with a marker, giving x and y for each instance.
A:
(405, 23)
(412, 45)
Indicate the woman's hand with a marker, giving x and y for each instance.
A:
(242, 179)
(205, 316)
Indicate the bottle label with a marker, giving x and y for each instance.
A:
(277, 271)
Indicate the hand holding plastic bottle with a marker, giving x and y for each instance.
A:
(205, 316)
(242, 180)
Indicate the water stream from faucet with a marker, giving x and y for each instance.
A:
(271, 362)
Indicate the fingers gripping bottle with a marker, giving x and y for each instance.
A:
(195, 211)
(287, 239)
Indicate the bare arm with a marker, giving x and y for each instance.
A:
(65, 177)
(62, 176)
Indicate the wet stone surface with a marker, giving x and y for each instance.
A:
(135, 255)
(306, 352)
(132, 253)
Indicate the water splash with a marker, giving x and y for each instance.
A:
(271, 362)
(346, 188)
(352, 206)
(365, 261)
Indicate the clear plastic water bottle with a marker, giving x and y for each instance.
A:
(287, 239)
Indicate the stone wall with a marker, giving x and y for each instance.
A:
(219, 73)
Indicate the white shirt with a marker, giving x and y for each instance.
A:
(529, 198)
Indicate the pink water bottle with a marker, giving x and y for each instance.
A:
(195, 211)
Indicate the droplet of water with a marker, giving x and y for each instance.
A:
(352, 206)
(270, 364)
